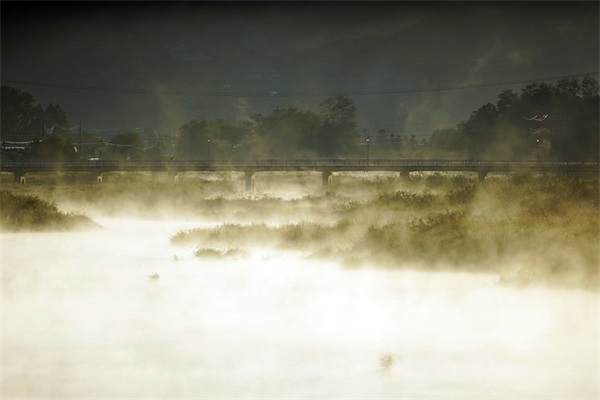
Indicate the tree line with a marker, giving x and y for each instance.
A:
(543, 121)
(555, 122)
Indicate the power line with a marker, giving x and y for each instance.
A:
(280, 94)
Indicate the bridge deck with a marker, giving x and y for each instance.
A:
(300, 165)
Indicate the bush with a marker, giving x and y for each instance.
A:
(407, 199)
(462, 193)
(23, 212)
(219, 254)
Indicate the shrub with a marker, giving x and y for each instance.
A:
(23, 212)
(219, 254)
(407, 199)
(462, 193)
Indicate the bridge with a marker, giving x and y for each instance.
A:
(325, 166)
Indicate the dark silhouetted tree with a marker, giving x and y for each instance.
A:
(287, 132)
(21, 117)
(551, 121)
(226, 139)
(51, 148)
(124, 145)
(338, 134)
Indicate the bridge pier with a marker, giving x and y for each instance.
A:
(481, 174)
(249, 175)
(327, 176)
(96, 176)
(20, 177)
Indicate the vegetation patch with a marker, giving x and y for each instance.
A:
(212, 253)
(544, 231)
(526, 227)
(29, 213)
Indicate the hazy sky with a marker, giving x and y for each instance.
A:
(410, 67)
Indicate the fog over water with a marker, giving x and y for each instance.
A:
(333, 284)
(82, 318)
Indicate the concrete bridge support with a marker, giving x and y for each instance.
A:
(327, 178)
(481, 174)
(20, 177)
(96, 177)
(249, 175)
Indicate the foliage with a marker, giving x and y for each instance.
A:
(22, 119)
(46, 129)
(337, 135)
(543, 121)
(208, 252)
(518, 231)
(52, 148)
(461, 192)
(525, 227)
(287, 132)
(282, 133)
(210, 139)
(22, 212)
(124, 146)
(407, 199)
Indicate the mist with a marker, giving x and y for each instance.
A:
(431, 286)
(299, 284)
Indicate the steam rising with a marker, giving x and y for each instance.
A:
(208, 292)
(428, 286)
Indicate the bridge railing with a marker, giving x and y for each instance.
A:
(9, 165)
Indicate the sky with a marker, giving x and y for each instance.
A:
(410, 67)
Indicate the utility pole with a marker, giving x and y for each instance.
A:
(159, 144)
(80, 148)
(368, 141)
(208, 150)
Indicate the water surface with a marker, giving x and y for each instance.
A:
(81, 318)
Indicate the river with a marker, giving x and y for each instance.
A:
(83, 318)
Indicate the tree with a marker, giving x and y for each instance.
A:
(124, 145)
(287, 132)
(225, 139)
(51, 148)
(506, 102)
(47, 129)
(589, 89)
(448, 141)
(55, 120)
(338, 132)
(20, 116)
(193, 140)
(339, 110)
(562, 118)
(479, 129)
